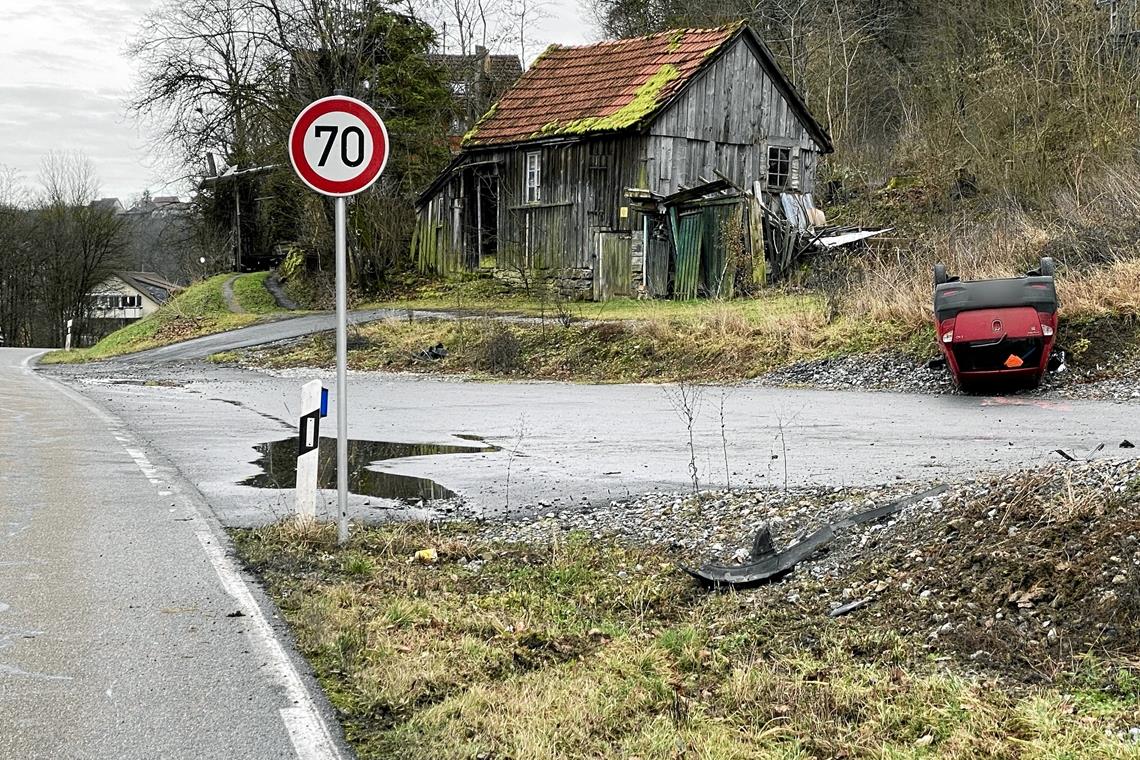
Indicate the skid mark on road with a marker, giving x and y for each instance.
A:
(309, 733)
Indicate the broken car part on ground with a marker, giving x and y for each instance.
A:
(766, 564)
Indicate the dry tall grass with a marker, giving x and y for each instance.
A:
(1092, 230)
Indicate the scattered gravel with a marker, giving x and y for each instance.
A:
(717, 525)
(880, 371)
(905, 374)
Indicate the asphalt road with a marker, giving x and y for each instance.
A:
(565, 445)
(285, 328)
(126, 630)
(254, 335)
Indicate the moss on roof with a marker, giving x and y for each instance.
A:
(645, 101)
(475, 128)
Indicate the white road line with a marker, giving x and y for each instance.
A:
(307, 729)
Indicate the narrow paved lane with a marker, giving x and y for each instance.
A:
(125, 629)
(291, 327)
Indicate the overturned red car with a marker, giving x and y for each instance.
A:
(997, 331)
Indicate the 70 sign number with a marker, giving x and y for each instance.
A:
(331, 130)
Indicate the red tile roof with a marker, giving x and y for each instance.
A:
(597, 88)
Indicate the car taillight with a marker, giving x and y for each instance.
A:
(948, 336)
(1046, 330)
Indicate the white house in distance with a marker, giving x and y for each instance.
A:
(125, 297)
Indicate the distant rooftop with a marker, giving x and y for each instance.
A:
(154, 285)
(462, 68)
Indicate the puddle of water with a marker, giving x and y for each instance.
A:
(278, 462)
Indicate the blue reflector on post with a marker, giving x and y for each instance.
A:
(324, 402)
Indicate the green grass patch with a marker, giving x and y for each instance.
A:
(708, 342)
(592, 649)
(198, 310)
(623, 340)
(251, 295)
(486, 296)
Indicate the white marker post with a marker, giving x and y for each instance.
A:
(67, 340)
(339, 146)
(309, 448)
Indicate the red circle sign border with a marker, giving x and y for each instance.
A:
(371, 171)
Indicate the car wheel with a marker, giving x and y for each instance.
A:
(940, 276)
(1048, 267)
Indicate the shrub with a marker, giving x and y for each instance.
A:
(499, 350)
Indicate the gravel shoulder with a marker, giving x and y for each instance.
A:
(902, 373)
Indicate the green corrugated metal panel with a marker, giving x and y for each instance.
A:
(688, 235)
(702, 265)
(718, 268)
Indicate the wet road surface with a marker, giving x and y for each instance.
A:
(566, 445)
(126, 631)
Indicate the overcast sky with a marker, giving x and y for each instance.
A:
(64, 80)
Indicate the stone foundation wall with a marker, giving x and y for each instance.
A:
(573, 283)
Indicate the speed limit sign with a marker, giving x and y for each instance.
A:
(338, 145)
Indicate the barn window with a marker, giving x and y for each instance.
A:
(533, 177)
(779, 166)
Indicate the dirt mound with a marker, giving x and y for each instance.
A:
(1014, 573)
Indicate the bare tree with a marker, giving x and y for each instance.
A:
(13, 194)
(467, 24)
(208, 69)
(18, 265)
(227, 77)
(522, 18)
(79, 242)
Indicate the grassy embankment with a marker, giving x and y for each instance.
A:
(623, 341)
(586, 648)
(629, 341)
(198, 310)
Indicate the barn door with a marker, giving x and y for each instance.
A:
(614, 270)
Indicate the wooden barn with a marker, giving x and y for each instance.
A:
(660, 165)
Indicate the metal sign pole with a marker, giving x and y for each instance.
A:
(341, 373)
